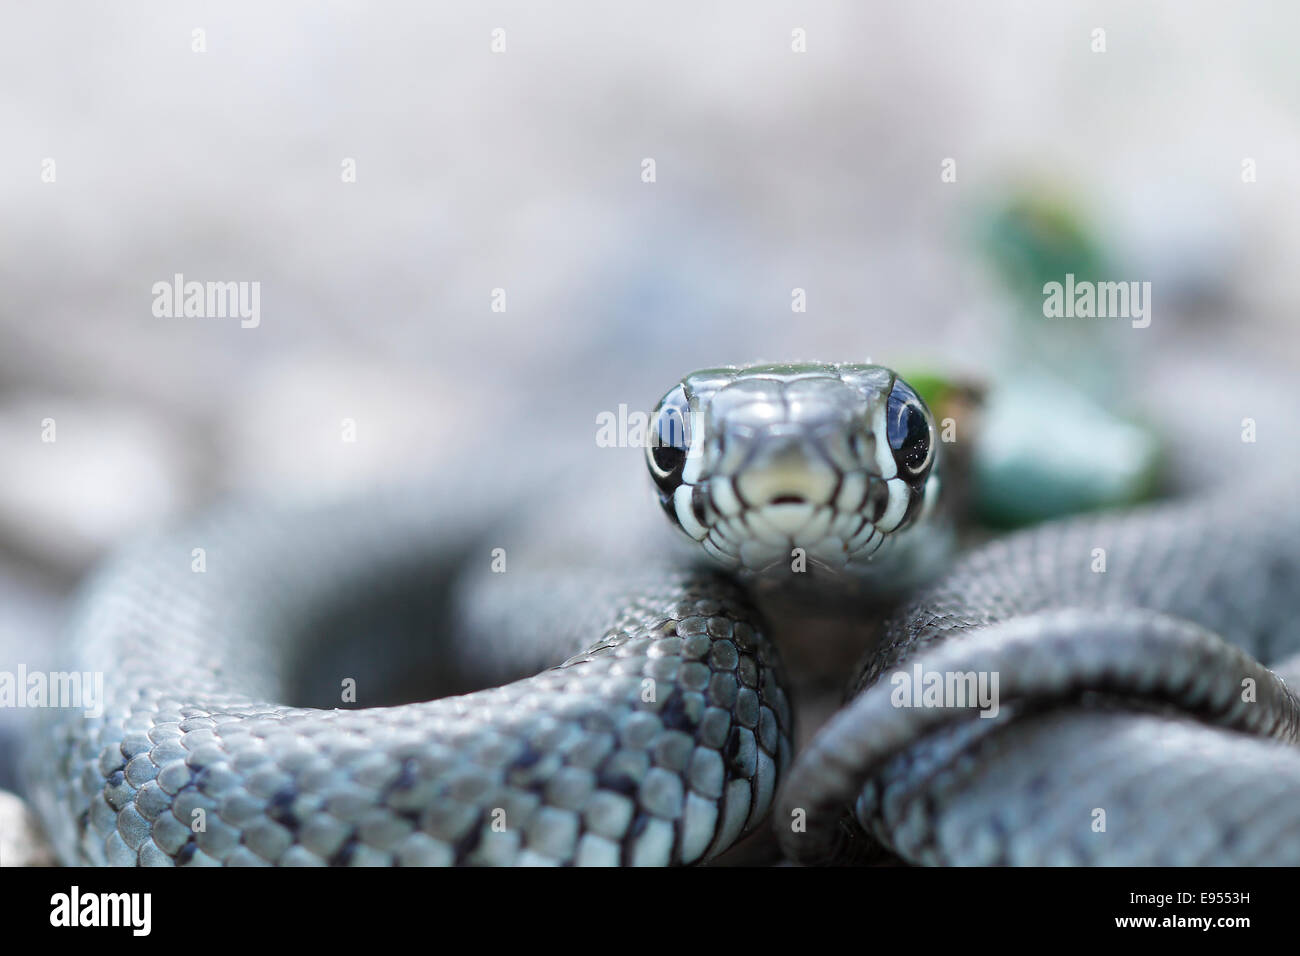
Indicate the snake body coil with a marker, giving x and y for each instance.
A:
(661, 729)
(659, 743)
(1145, 715)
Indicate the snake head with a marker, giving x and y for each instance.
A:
(755, 462)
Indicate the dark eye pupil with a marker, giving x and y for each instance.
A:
(668, 458)
(909, 432)
(669, 441)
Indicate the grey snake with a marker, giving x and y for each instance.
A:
(637, 711)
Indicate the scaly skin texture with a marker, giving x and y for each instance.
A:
(658, 743)
(1139, 719)
(1143, 712)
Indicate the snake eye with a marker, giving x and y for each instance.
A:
(909, 430)
(668, 440)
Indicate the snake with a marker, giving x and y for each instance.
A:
(439, 674)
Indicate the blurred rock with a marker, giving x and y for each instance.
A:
(79, 475)
(22, 843)
(1183, 238)
(1047, 450)
(324, 423)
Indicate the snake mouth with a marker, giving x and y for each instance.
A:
(831, 526)
(786, 530)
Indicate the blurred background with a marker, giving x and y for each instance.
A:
(382, 170)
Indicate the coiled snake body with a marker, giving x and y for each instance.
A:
(1136, 696)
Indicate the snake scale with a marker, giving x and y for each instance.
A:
(637, 709)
